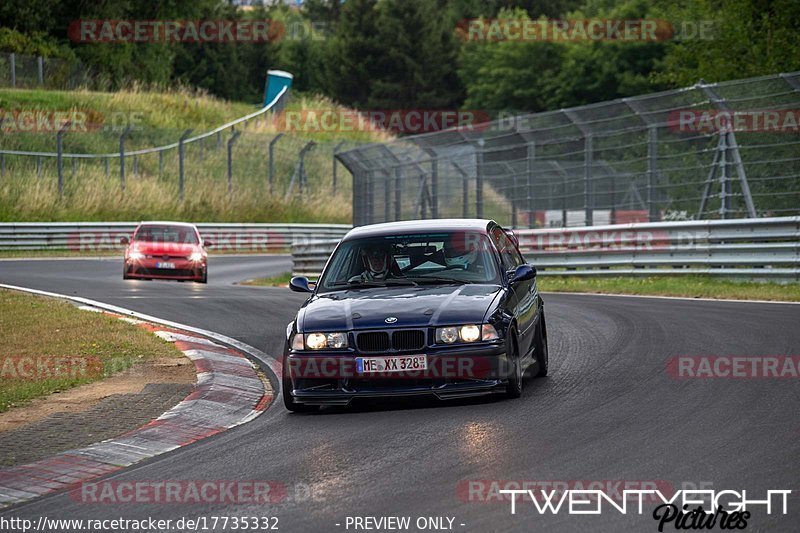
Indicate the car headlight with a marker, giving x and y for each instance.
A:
(135, 255)
(467, 333)
(196, 257)
(319, 341)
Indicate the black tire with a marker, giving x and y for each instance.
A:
(288, 399)
(205, 276)
(514, 387)
(125, 273)
(542, 355)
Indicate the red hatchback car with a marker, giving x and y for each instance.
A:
(166, 250)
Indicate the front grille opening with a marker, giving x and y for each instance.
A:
(374, 341)
(408, 339)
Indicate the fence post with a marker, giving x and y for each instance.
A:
(40, 65)
(398, 211)
(106, 167)
(12, 61)
(160, 163)
(303, 176)
(587, 178)
(231, 141)
(181, 156)
(531, 210)
(39, 166)
(60, 157)
(652, 154)
(2, 165)
(272, 160)
(479, 180)
(724, 194)
(135, 165)
(335, 151)
(122, 156)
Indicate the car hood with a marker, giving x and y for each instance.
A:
(411, 306)
(165, 248)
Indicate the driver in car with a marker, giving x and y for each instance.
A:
(377, 262)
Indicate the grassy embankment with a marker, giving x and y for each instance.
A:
(159, 118)
(81, 347)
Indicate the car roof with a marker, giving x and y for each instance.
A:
(418, 226)
(167, 223)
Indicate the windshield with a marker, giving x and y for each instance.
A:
(415, 259)
(166, 234)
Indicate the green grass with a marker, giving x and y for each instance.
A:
(281, 280)
(49, 345)
(29, 191)
(686, 286)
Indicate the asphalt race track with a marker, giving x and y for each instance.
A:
(608, 411)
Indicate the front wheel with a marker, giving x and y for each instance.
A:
(514, 387)
(542, 357)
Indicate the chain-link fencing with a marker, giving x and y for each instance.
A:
(714, 150)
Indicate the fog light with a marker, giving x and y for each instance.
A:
(470, 333)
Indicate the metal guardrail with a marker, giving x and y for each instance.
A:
(752, 248)
(98, 236)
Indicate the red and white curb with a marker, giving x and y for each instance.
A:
(228, 393)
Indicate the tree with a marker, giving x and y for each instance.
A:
(416, 55)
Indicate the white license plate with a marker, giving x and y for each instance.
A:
(165, 265)
(394, 363)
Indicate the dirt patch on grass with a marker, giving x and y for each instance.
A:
(76, 400)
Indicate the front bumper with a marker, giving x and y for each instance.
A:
(148, 268)
(453, 373)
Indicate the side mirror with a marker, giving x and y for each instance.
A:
(208, 242)
(124, 240)
(523, 273)
(299, 284)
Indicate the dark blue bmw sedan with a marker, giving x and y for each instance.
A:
(447, 308)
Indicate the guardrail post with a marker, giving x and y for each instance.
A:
(231, 142)
(335, 165)
(12, 61)
(181, 162)
(652, 168)
(60, 157)
(272, 160)
(122, 156)
(40, 65)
